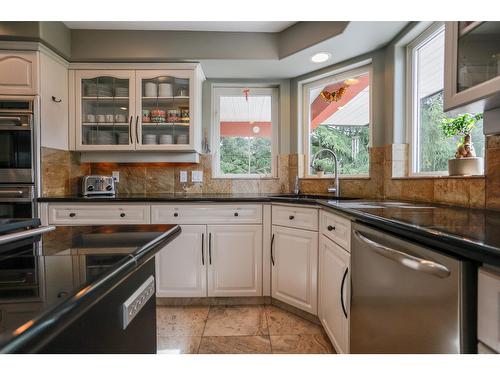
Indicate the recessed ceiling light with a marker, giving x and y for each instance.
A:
(321, 57)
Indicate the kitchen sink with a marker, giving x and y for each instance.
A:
(310, 196)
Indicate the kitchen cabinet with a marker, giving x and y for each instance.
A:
(18, 72)
(294, 257)
(138, 109)
(472, 66)
(181, 266)
(97, 214)
(54, 101)
(336, 228)
(234, 260)
(333, 304)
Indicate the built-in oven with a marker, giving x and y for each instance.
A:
(16, 201)
(17, 141)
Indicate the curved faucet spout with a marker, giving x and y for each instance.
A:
(335, 188)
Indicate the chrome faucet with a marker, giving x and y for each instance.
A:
(335, 188)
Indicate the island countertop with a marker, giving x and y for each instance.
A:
(79, 266)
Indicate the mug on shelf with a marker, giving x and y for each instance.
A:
(120, 118)
(101, 118)
(110, 118)
(90, 118)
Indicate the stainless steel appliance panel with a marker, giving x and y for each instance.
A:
(405, 298)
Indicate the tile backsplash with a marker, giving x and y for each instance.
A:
(61, 171)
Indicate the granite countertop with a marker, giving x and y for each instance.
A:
(465, 232)
(80, 265)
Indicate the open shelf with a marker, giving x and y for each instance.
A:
(165, 97)
(105, 97)
(156, 124)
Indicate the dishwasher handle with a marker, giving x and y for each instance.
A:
(410, 261)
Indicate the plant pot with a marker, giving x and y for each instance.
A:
(465, 166)
(320, 173)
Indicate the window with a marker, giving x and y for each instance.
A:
(337, 117)
(429, 148)
(244, 132)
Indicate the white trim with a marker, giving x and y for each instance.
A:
(337, 75)
(218, 89)
(412, 110)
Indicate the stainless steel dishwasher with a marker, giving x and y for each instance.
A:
(406, 298)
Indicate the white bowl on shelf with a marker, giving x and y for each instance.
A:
(151, 90)
(165, 89)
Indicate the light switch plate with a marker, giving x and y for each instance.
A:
(116, 176)
(183, 176)
(197, 176)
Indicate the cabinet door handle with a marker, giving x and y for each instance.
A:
(272, 255)
(56, 100)
(342, 292)
(236, 214)
(176, 214)
(136, 129)
(72, 214)
(122, 214)
(330, 228)
(203, 249)
(291, 217)
(130, 129)
(210, 248)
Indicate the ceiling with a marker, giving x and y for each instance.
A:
(225, 26)
(359, 37)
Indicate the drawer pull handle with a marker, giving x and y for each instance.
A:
(330, 228)
(176, 214)
(72, 214)
(122, 214)
(236, 214)
(291, 217)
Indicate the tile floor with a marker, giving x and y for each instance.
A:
(258, 329)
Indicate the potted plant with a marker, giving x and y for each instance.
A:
(319, 167)
(465, 162)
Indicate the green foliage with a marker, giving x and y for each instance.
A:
(460, 125)
(339, 139)
(322, 164)
(245, 155)
(435, 148)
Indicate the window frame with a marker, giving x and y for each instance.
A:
(338, 75)
(412, 107)
(234, 89)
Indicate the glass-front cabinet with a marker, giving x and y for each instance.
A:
(105, 106)
(164, 108)
(149, 110)
(472, 65)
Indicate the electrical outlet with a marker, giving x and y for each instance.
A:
(197, 176)
(183, 176)
(116, 176)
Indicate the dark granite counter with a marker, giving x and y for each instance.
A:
(470, 233)
(40, 295)
(160, 198)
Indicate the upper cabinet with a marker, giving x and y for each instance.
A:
(150, 110)
(472, 66)
(18, 72)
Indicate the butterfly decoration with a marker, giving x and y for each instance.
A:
(333, 96)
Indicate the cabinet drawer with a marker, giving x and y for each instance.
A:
(336, 228)
(99, 214)
(295, 217)
(206, 214)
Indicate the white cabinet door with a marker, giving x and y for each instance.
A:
(294, 254)
(234, 260)
(54, 102)
(18, 73)
(334, 281)
(105, 118)
(181, 265)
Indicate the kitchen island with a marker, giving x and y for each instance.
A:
(78, 285)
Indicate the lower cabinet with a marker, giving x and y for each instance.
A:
(213, 261)
(234, 260)
(294, 257)
(334, 281)
(181, 266)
